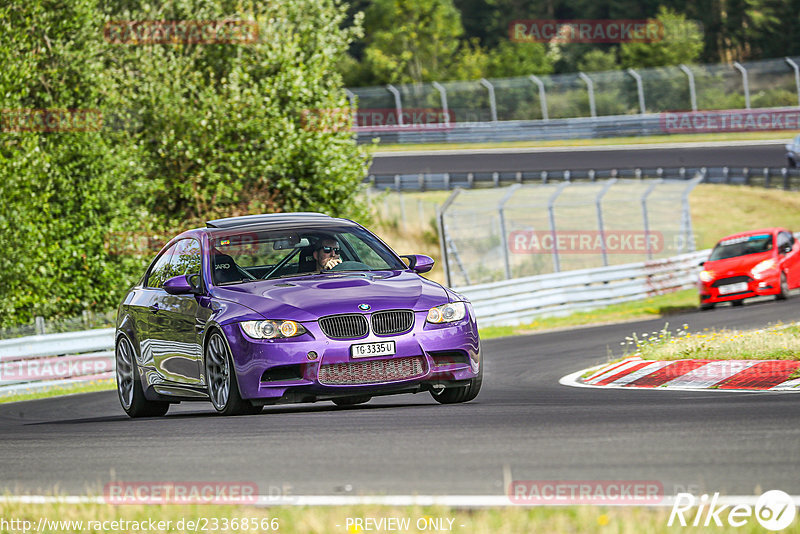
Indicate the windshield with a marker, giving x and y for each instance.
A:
(262, 255)
(741, 246)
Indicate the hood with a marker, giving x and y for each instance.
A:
(306, 298)
(737, 265)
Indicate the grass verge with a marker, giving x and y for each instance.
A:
(653, 139)
(779, 342)
(322, 520)
(58, 391)
(651, 308)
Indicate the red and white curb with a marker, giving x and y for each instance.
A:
(697, 375)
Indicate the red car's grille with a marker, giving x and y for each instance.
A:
(371, 372)
(731, 280)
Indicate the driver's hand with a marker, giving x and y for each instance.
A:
(332, 262)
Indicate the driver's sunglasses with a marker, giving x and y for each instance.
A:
(328, 250)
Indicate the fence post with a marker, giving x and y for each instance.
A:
(353, 109)
(796, 70)
(738, 66)
(639, 89)
(692, 94)
(600, 226)
(686, 215)
(492, 102)
(645, 217)
(503, 231)
(398, 103)
(552, 218)
(542, 95)
(402, 211)
(785, 173)
(38, 323)
(443, 232)
(590, 89)
(443, 98)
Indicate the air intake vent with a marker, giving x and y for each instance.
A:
(344, 326)
(392, 322)
(372, 372)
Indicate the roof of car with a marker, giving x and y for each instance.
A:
(755, 232)
(268, 218)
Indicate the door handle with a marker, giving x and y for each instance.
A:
(153, 308)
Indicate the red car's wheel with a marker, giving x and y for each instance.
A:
(784, 294)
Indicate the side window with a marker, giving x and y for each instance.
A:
(186, 259)
(784, 239)
(160, 271)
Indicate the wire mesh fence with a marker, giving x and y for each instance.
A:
(757, 84)
(497, 234)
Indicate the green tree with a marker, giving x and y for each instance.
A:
(190, 132)
(64, 191)
(597, 60)
(411, 41)
(682, 43)
(232, 129)
(518, 59)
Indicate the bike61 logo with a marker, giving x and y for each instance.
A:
(774, 510)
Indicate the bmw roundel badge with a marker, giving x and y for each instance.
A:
(364, 307)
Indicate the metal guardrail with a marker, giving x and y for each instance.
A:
(512, 302)
(40, 362)
(523, 130)
(770, 177)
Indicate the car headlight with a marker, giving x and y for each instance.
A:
(272, 329)
(706, 276)
(759, 269)
(447, 313)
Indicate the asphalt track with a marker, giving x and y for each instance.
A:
(523, 422)
(741, 154)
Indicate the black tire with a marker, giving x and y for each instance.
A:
(223, 388)
(784, 294)
(737, 303)
(462, 393)
(350, 401)
(707, 306)
(129, 384)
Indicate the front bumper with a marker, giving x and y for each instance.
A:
(314, 367)
(767, 284)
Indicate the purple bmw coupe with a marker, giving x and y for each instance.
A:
(284, 308)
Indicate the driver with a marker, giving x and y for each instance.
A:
(326, 253)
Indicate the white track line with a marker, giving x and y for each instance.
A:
(455, 501)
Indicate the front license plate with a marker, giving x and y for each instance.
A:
(733, 288)
(363, 350)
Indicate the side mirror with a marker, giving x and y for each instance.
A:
(419, 262)
(181, 285)
(701, 263)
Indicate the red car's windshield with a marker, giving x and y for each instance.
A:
(741, 246)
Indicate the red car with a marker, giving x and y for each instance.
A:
(750, 264)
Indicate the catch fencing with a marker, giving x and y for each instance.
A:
(519, 301)
(523, 230)
(594, 104)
